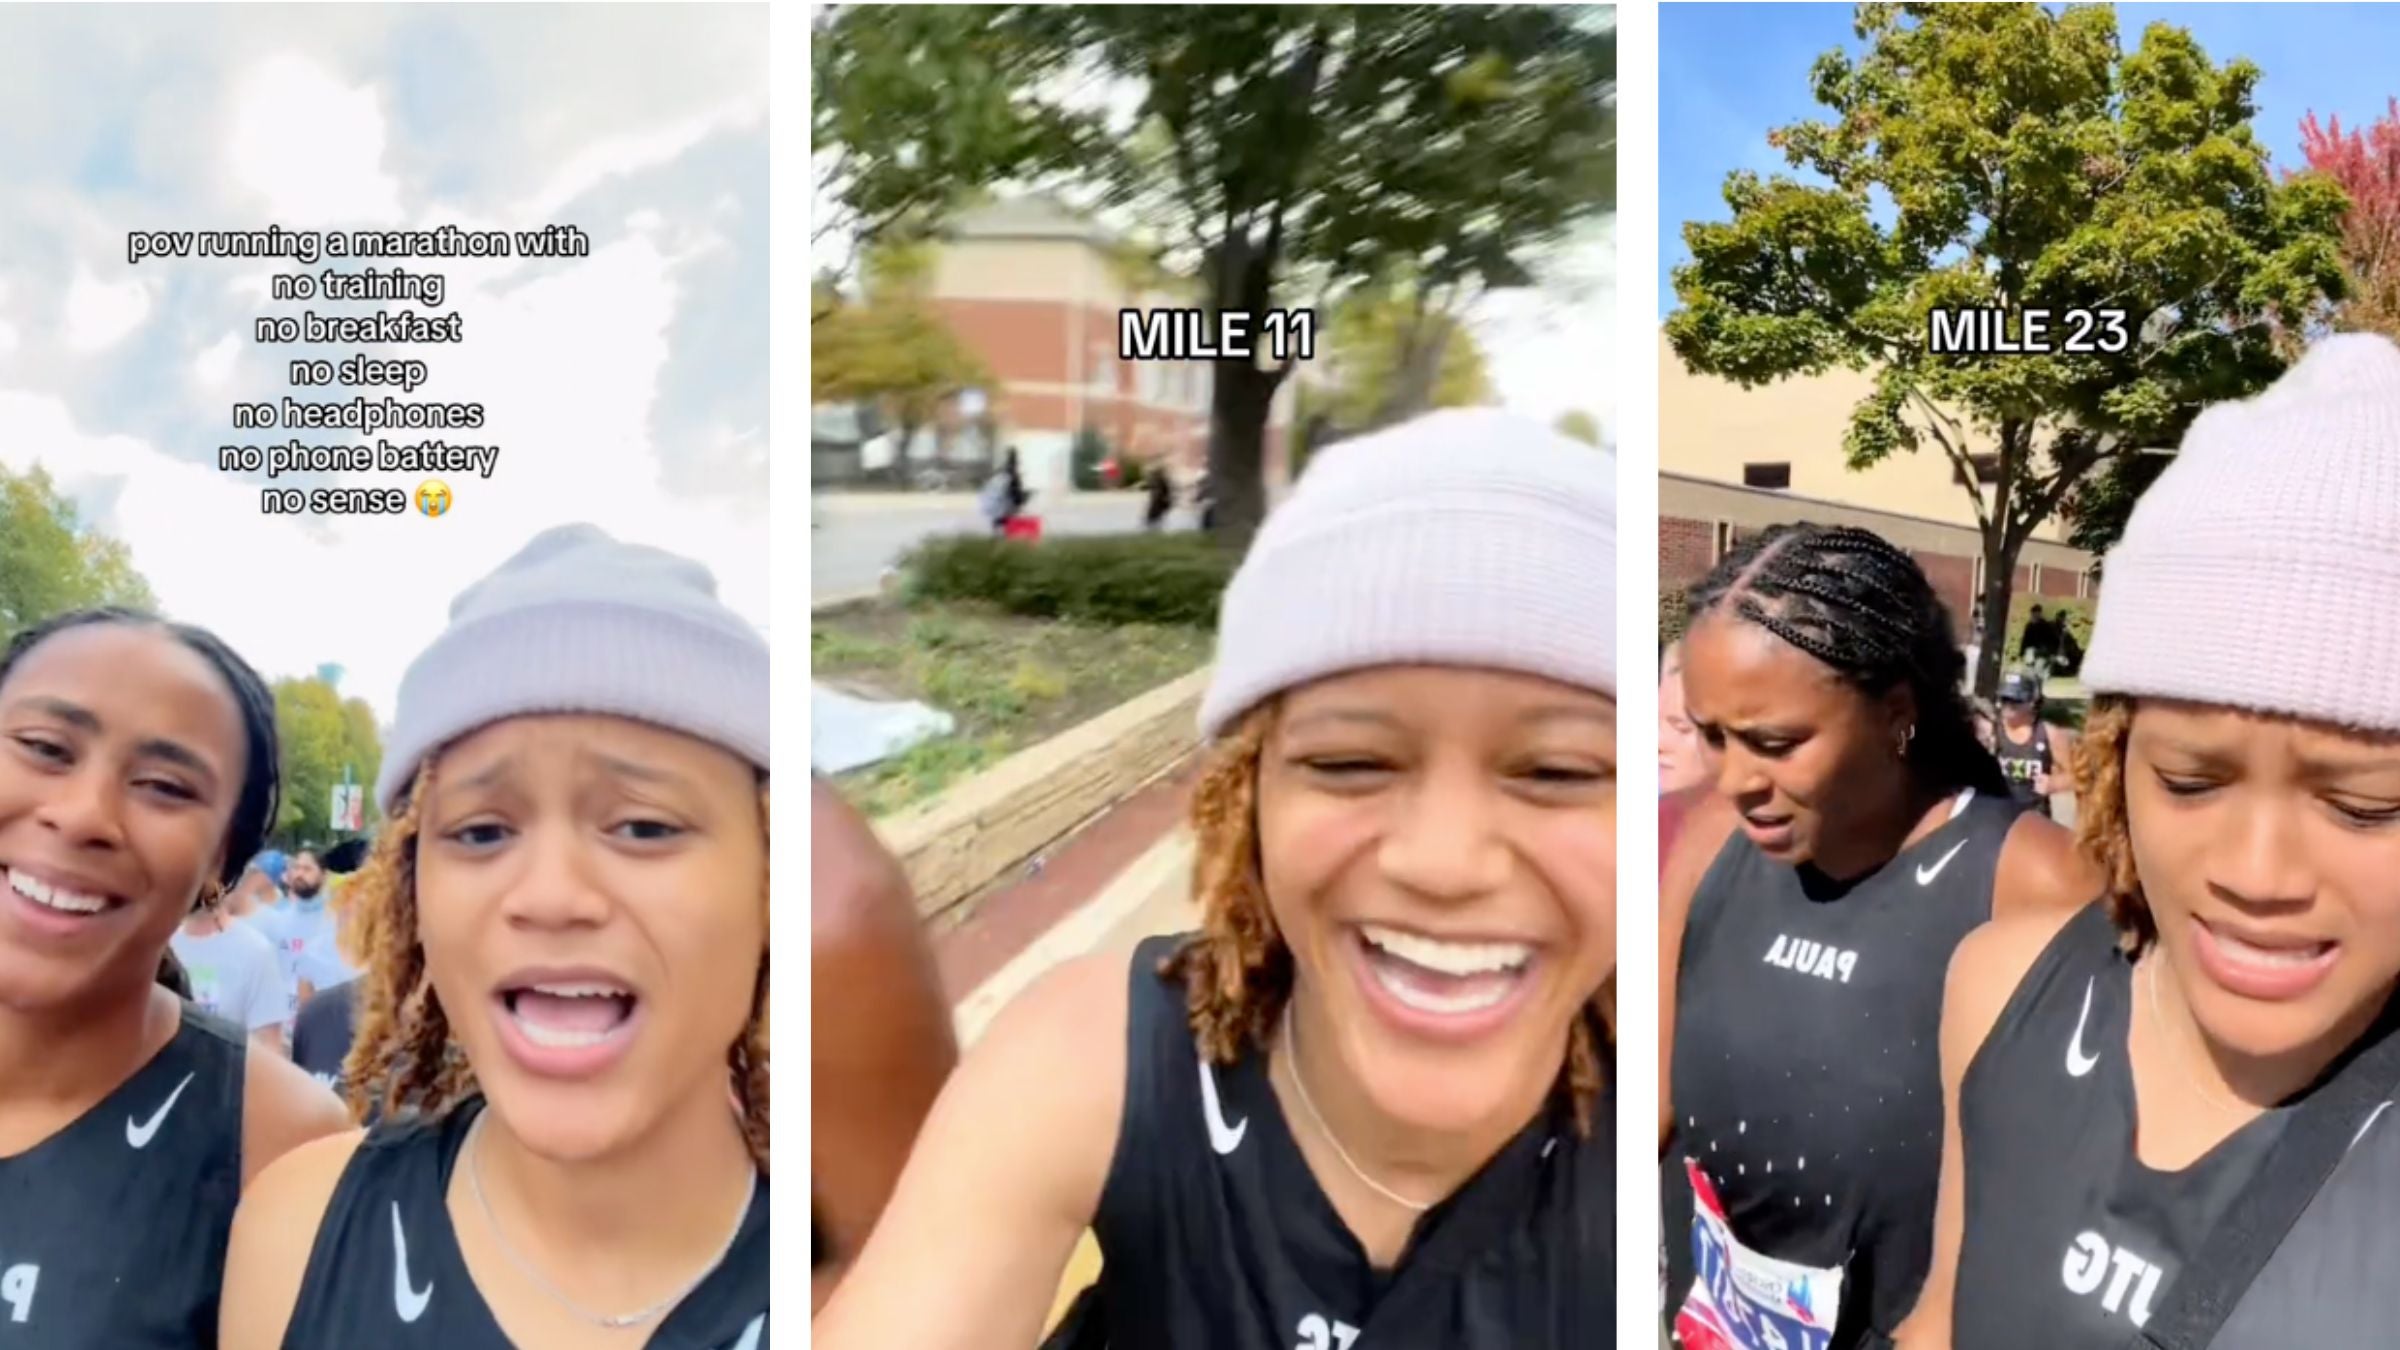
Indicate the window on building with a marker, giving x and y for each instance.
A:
(1775, 476)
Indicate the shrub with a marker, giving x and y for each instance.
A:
(1083, 461)
(1112, 580)
(1674, 615)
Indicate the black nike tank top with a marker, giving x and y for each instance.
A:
(2021, 763)
(386, 1270)
(1214, 1234)
(1808, 1092)
(2071, 1241)
(113, 1230)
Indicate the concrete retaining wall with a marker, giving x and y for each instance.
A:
(973, 833)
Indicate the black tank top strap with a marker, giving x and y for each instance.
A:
(386, 1269)
(113, 1230)
(2081, 973)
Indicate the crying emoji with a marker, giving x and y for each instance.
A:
(433, 497)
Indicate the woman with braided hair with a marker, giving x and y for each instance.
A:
(137, 773)
(1857, 831)
(562, 1016)
(1366, 1103)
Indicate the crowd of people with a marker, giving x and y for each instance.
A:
(1936, 1073)
(542, 995)
(1368, 1099)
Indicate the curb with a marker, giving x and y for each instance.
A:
(1157, 878)
(842, 602)
(976, 830)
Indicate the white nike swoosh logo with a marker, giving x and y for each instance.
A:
(1222, 1137)
(410, 1302)
(750, 1334)
(2369, 1123)
(2079, 1063)
(1927, 873)
(139, 1133)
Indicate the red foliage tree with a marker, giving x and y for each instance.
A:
(2367, 165)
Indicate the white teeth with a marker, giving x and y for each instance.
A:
(2281, 958)
(581, 991)
(556, 1039)
(1448, 958)
(1441, 1005)
(54, 897)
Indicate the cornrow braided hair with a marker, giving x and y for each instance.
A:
(1862, 607)
(1237, 972)
(403, 1056)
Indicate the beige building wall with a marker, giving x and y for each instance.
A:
(1711, 429)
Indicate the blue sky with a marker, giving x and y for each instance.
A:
(1729, 73)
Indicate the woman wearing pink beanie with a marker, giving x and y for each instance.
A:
(2163, 1107)
(1366, 1102)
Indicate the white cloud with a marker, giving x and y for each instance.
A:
(309, 146)
(214, 365)
(98, 313)
(342, 127)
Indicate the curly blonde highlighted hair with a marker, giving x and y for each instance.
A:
(1237, 972)
(2101, 832)
(403, 1056)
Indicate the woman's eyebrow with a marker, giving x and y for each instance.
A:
(155, 747)
(1362, 716)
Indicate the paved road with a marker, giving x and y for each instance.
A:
(857, 536)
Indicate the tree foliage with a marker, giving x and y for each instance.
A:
(1397, 350)
(1267, 142)
(2367, 166)
(1579, 424)
(892, 349)
(50, 562)
(323, 734)
(2010, 157)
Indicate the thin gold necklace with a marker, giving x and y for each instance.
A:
(613, 1321)
(1300, 1086)
(2159, 1020)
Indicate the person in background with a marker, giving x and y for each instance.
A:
(302, 929)
(2030, 750)
(1160, 486)
(1682, 760)
(327, 1021)
(233, 971)
(882, 1044)
(2038, 648)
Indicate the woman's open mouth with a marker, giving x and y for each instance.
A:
(567, 1025)
(1447, 988)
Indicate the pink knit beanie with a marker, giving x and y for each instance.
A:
(1467, 537)
(2262, 570)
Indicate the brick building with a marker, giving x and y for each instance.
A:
(1734, 461)
(1035, 289)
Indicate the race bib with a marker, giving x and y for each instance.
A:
(1743, 1300)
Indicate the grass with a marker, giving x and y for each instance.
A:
(1008, 680)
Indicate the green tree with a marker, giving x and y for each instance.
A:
(1398, 349)
(1579, 424)
(50, 562)
(323, 734)
(893, 349)
(1269, 143)
(2009, 157)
